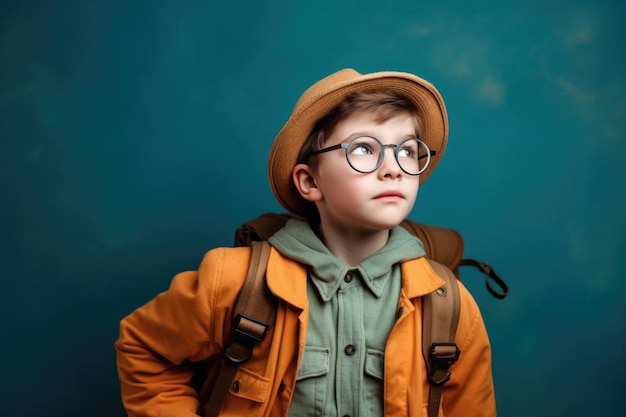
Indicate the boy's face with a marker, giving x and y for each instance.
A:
(375, 201)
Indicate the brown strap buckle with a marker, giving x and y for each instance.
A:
(248, 332)
(443, 355)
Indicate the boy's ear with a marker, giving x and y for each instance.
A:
(305, 182)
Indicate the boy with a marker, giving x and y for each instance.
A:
(349, 280)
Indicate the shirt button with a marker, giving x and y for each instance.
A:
(348, 277)
(350, 349)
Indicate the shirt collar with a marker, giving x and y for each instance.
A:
(298, 242)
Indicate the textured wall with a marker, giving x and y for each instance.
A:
(135, 135)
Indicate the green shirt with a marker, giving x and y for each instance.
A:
(352, 310)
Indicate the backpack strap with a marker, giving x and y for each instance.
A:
(255, 313)
(486, 269)
(441, 310)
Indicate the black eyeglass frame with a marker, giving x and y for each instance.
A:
(346, 145)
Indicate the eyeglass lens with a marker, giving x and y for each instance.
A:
(365, 154)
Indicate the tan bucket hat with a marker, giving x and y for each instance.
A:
(327, 93)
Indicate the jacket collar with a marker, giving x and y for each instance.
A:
(427, 282)
(287, 279)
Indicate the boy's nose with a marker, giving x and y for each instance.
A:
(390, 165)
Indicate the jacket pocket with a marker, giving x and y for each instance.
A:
(309, 397)
(250, 386)
(247, 394)
(373, 381)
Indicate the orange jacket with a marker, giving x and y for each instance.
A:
(192, 321)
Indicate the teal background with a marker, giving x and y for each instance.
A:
(135, 138)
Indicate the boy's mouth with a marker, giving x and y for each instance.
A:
(390, 195)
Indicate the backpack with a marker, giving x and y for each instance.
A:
(255, 311)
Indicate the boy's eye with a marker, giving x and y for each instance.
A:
(407, 151)
(361, 148)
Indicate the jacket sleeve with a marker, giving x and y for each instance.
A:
(470, 391)
(157, 340)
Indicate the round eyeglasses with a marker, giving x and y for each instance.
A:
(365, 154)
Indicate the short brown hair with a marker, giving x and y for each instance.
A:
(382, 105)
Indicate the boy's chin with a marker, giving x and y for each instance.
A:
(386, 224)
